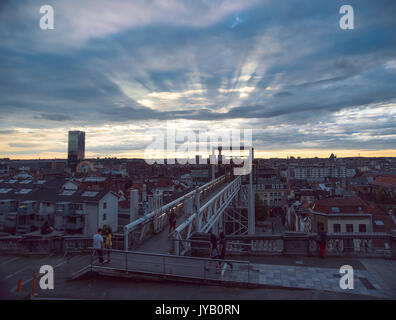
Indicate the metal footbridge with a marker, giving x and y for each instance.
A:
(202, 210)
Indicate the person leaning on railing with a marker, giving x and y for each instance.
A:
(98, 245)
(108, 242)
(46, 229)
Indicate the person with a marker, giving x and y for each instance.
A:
(98, 245)
(46, 229)
(172, 222)
(213, 252)
(222, 249)
(108, 242)
(321, 240)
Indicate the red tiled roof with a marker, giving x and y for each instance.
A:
(381, 215)
(345, 205)
(386, 180)
(164, 183)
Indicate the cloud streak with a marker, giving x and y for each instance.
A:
(285, 70)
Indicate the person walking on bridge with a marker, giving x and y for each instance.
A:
(172, 222)
(222, 249)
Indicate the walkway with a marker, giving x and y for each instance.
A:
(317, 278)
(160, 243)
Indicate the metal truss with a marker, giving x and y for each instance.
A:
(237, 220)
(205, 217)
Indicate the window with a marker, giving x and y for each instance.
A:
(104, 205)
(362, 228)
(349, 228)
(104, 217)
(337, 227)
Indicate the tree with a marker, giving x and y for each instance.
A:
(261, 210)
(382, 196)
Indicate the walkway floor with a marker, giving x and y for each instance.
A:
(372, 277)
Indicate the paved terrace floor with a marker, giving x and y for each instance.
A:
(275, 277)
(160, 243)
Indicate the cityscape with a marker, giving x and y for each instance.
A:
(173, 151)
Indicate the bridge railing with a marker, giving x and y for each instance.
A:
(170, 266)
(154, 222)
(362, 244)
(53, 244)
(11, 244)
(82, 244)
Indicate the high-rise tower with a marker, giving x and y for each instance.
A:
(76, 149)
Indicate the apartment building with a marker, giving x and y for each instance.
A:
(26, 205)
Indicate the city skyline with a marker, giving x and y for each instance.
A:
(287, 71)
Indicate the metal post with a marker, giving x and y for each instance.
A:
(92, 253)
(163, 265)
(176, 245)
(198, 206)
(251, 214)
(212, 160)
(126, 242)
(34, 284)
(126, 262)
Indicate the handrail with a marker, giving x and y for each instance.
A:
(166, 255)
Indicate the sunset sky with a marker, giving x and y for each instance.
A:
(117, 69)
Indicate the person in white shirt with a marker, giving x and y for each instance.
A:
(98, 245)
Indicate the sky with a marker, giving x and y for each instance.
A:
(118, 69)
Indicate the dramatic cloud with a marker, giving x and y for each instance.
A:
(117, 68)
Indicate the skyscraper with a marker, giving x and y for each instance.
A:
(76, 149)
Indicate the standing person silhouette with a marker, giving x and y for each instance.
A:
(213, 252)
(321, 240)
(222, 249)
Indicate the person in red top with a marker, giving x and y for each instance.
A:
(321, 240)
